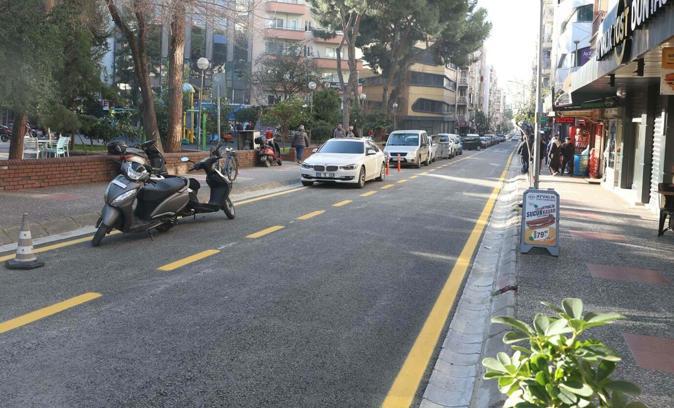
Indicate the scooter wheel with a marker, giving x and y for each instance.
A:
(279, 162)
(99, 235)
(229, 210)
(267, 163)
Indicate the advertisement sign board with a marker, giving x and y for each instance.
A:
(667, 76)
(540, 221)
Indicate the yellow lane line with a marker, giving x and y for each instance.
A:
(63, 244)
(413, 177)
(369, 194)
(47, 311)
(265, 231)
(265, 197)
(404, 388)
(76, 241)
(402, 181)
(424, 173)
(310, 215)
(342, 203)
(386, 187)
(188, 260)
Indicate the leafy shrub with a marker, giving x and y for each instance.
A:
(321, 132)
(559, 369)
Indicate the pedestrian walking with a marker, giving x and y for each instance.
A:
(555, 156)
(523, 151)
(338, 132)
(300, 141)
(350, 132)
(568, 151)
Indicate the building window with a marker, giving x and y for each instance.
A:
(330, 52)
(433, 80)
(430, 106)
(585, 13)
(277, 23)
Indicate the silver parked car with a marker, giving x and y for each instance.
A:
(444, 146)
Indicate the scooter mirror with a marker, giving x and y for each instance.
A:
(184, 159)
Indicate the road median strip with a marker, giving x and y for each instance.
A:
(188, 260)
(342, 203)
(310, 215)
(47, 311)
(265, 232)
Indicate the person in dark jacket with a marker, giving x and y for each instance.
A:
(523, 151)
(555, 156)
(300, 141)
(568, 151)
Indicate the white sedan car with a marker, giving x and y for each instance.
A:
(347, 160)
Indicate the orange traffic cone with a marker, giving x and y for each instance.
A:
(388, 158)
(25, 259)
(398, 163)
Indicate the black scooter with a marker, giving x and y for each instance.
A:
(160, 203)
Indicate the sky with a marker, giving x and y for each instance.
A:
(511, 47)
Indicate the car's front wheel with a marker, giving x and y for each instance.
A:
(361, 178)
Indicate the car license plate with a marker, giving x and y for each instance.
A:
(327, 175)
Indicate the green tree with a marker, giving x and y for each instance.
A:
(451, 30)
(344, 16)
(326, 106)
(482, 122)
(286, 74)
(288, 114)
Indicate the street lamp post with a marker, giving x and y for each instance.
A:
(539, 107)
(202, 64)
(312, 86)
(395, 115)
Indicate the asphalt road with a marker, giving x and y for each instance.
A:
(319, 313)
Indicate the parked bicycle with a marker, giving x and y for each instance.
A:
(229, 164)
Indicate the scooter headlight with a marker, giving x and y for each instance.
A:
(123, 197)
(134, 171)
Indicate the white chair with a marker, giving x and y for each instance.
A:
(31, 147)
(60, 150)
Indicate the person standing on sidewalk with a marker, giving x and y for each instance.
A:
(350, 132)
(568, 151)
(523, 151)
(555, 155)
(338, 132)
(300, 141)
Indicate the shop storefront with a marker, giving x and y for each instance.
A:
(631, 129)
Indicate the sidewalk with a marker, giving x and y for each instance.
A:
(56, 210)
(612, 259)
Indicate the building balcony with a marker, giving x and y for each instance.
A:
(463, 82)
(285, 34)
(287, 8)
(461, 100)
(334, 40)
(331, 63)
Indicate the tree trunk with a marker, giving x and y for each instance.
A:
(18, 132)
(175, 81)
(353, 64)
(137, 42)
(346, 106)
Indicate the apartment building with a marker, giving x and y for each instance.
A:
(572, 33)
(279, 26)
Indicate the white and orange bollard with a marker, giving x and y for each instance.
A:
(25, 258)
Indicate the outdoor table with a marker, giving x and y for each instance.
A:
(43, 145)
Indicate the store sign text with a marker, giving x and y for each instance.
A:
(631, 16)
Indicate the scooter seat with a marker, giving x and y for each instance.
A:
(161, 189)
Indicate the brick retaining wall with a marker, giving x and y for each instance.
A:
(24, 174)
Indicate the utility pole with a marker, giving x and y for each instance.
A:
(539, 107)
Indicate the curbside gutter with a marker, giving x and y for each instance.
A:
(456, 380)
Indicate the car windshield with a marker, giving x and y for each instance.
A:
(444, 139)
(403, 139)
(343, 147)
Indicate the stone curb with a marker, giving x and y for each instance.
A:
(456, 376)
(50, 227)
(486, 393)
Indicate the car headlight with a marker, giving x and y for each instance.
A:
(122, 197)
(348, 167)
(307, 166)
